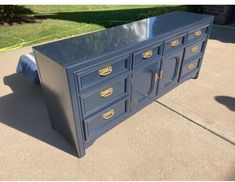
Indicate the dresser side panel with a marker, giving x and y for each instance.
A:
(56, 92)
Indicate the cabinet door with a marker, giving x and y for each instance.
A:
(144, 83)
(169, 72)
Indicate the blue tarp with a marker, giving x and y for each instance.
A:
(28, 67)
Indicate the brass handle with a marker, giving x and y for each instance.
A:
(108, 114)
(195, 49)
(191, 66)
(105, 71)
(107, 92)
(197, 33)
(162, 74)
(159, 77)
(174, 43)
(147, 54)
(156, 77)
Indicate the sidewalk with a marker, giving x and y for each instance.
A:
(187, 134)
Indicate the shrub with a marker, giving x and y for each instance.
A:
(7, 12)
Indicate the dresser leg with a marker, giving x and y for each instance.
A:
(52, 127)
(81, 153)
(196, 76)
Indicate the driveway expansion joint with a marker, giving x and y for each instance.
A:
(196, 123)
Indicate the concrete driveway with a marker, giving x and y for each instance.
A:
(188, 134)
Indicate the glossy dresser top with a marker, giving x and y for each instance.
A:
(82, 48)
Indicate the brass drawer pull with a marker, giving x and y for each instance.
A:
(191, 66)
(174, 43)
(147, 54)
(108, 114)
(105, 71)
(107, 92)
(197, 33)
(195, 49)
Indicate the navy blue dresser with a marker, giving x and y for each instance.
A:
(93, 82)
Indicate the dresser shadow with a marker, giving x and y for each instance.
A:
(25, 110)
(223, 34)
(227, 101)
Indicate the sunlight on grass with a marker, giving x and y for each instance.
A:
(65, 21)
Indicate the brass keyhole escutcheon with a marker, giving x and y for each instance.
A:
(147, 54)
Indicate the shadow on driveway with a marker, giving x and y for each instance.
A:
(227, 101)
(223, 34)
(25, 110)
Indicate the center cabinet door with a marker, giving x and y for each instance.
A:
(144, 83)
(169, 74)
(146, 67)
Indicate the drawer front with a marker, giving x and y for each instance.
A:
(103, 96)
(174, 43)
(190, 67)
(104, 72)
(104, 118)
(198, 33)
(193, 50)
(147, 54)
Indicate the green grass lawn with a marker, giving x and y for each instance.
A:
(65, 21)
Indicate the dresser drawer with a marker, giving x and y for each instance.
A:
(193, 50)
(198, 33)
(173, 43)
(147, 54)
(189, 67)
(96, 123)
(99, 98)
(101, 73)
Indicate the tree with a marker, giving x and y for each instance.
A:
(7, 12)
